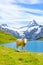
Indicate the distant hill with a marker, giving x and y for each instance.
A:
(40, 38)
(5, 37)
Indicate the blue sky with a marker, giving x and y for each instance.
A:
(18, 13)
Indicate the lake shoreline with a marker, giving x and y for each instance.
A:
(33, 46)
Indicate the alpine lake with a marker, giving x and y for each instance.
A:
(31, 46)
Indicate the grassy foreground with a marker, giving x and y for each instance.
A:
(12, 57)
(5, 37)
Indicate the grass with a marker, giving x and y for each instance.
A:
(13, 57)
(10, 56)
(5, 37)
(40, 38)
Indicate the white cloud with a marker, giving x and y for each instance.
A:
(6, 1)
(30, 1)
(34, 1)
(13, 13)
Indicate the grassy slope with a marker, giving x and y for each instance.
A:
(40, 38)
(5, 37)
(12, 57)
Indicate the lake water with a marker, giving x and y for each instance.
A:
(32, 46)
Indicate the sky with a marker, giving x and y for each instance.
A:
(18, 13)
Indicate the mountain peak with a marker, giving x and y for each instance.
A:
(3, 24)
(33, 23)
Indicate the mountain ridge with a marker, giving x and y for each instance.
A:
(31, 31)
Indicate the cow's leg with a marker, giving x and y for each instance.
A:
(17, 47)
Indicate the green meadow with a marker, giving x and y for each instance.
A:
(40, 38)
(10, 56)
(5, 37)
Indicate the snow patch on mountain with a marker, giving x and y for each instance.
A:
(38, 31)
(30, 31)
(31, 28)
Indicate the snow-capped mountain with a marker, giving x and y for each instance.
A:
(31, 31)
(32, 23)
